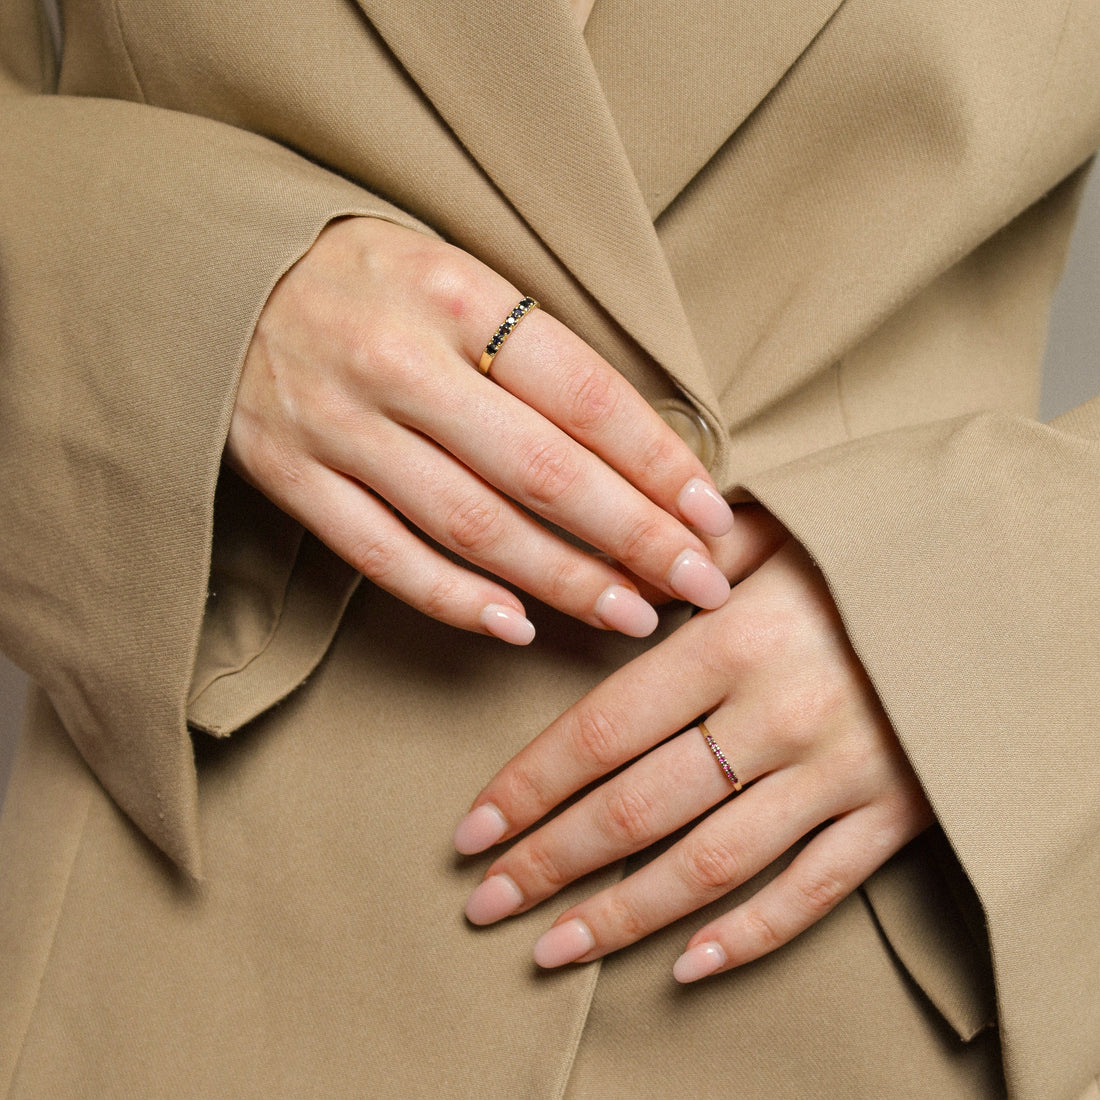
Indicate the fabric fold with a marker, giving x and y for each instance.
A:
(110, 459)
(995, 702)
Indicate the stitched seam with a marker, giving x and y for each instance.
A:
(841, 407)
(17, 1064)
(49, 51)
(1041, 100)
(574, 1041)
(126, 53)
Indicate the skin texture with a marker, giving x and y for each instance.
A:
(787, 700)
(361, 414)
(348, 413)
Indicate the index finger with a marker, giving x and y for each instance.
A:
(602, 731)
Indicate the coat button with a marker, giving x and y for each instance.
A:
(688, 423)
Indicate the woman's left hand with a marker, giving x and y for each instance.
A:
(787, 701)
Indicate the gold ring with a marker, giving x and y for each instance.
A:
(494, 345)
(720, 756)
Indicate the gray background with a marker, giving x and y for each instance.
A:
(1071, 375)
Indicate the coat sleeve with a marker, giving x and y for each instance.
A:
(964, 557)
(137, 247)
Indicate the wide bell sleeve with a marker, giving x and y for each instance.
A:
(964, 557)
(137, 247)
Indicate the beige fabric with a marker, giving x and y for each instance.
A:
(833, 228)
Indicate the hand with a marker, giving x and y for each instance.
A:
(360, 397)
(790, 706)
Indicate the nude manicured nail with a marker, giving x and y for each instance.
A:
(480, 829)
(497, 897)
(703, 507)
(699, 581)
(698, 962)
(564, 943)
(626, 611)
(507, 624)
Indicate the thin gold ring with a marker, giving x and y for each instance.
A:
(720, 756)
(494, 345)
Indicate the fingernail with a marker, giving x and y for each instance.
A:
(703, 507)
(480, 829)
(564, 943)
(623, 610)
(699, 581)
(698, 962)
(498, 896)
(507, 624)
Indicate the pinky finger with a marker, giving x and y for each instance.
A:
(366, 533)
(823, 874)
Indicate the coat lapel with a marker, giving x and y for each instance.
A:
(590, 141)
(681, 78)
(516, 85)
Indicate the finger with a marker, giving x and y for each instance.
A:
(471, 518)
(726, 849)
(599, 733)
(551, 369)
(661, 792)
(755, 537)
(823, 874)
(516, 449)
(363, 531)
(570, 384)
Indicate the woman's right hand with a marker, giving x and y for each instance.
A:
(360, 398)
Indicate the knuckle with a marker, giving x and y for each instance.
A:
(710, 867)
(376, 558)
(524, 793)
(544, 870)
(820, 894)
(622, 916)
(760, 930)
(658, 457)
(435, 271)
(383, 355)
(637, 540)
(752, 641)
(449, 286)
(628, 815)
(591, 395)
(548, 473)
(475, 526)
(442, 599)
(594, 734)
(561, 582)
(802, 713)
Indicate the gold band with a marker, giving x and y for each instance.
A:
(525, 306)
(720, 756)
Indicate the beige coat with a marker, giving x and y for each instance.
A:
(822, 236)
